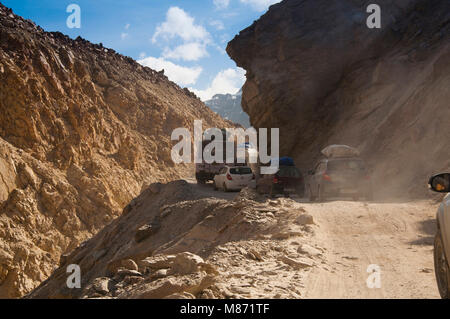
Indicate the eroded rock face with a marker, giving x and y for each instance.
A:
(205, 248)
(82, 131)
(317, 72)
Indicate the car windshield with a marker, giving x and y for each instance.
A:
(240, 170)
(289, 171)
(353, 165)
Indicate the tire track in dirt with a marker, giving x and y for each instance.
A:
(357, 235)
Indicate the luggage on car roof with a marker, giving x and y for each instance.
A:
(334, 151)
(286, 161)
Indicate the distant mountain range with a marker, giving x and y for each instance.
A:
(229, 107)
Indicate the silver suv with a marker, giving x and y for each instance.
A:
(347, 176)
(441, 184)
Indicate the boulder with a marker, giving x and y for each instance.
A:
(129, 264)
(186, 263)
(101, 285)
(297, 263)
(192, 284)
(160, 273)
(157, 262)
(122, 273)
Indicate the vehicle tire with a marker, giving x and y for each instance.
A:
(312, 198)
(215, 186)
(199, 179)
(225, 189)
(355, 198)
(272, 192)
(260, 190)
(441, 267)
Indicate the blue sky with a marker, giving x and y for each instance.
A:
(187, 38)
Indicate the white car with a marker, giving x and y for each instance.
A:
(233, 178)
(441, 184)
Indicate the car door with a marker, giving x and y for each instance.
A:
(247, 176)
(444, 221)
(318, 176)
(312, 180)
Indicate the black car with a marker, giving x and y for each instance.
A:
(287, 180)
(334, 177)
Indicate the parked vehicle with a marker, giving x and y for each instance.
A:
(233, 178)
(346, 176)
(205, 172)
(287, 180)
(441, 184)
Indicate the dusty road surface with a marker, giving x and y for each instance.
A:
(245, 245)
(398, 237)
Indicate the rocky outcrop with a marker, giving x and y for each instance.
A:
(205, 247)
(82, 131)
(317, 72)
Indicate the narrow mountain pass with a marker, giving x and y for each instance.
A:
(185, 240)
(357, 238)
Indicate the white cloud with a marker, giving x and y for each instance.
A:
(226, 81)
(187, 52)
(125, 35)
(229, 14)
(217, 24)
(260, 5)
(179, 74)
(221, 4)
(142, 55)
(220, 50)
(225, 38)
(180, 24)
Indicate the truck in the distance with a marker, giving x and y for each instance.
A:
(205, 172)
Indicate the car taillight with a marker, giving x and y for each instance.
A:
(229, 177)
(367, 177)
(327, 177)
(275, 180)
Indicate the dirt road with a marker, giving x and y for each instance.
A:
(398, 237)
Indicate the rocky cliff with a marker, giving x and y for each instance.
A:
(82, 130)
(316, 71)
